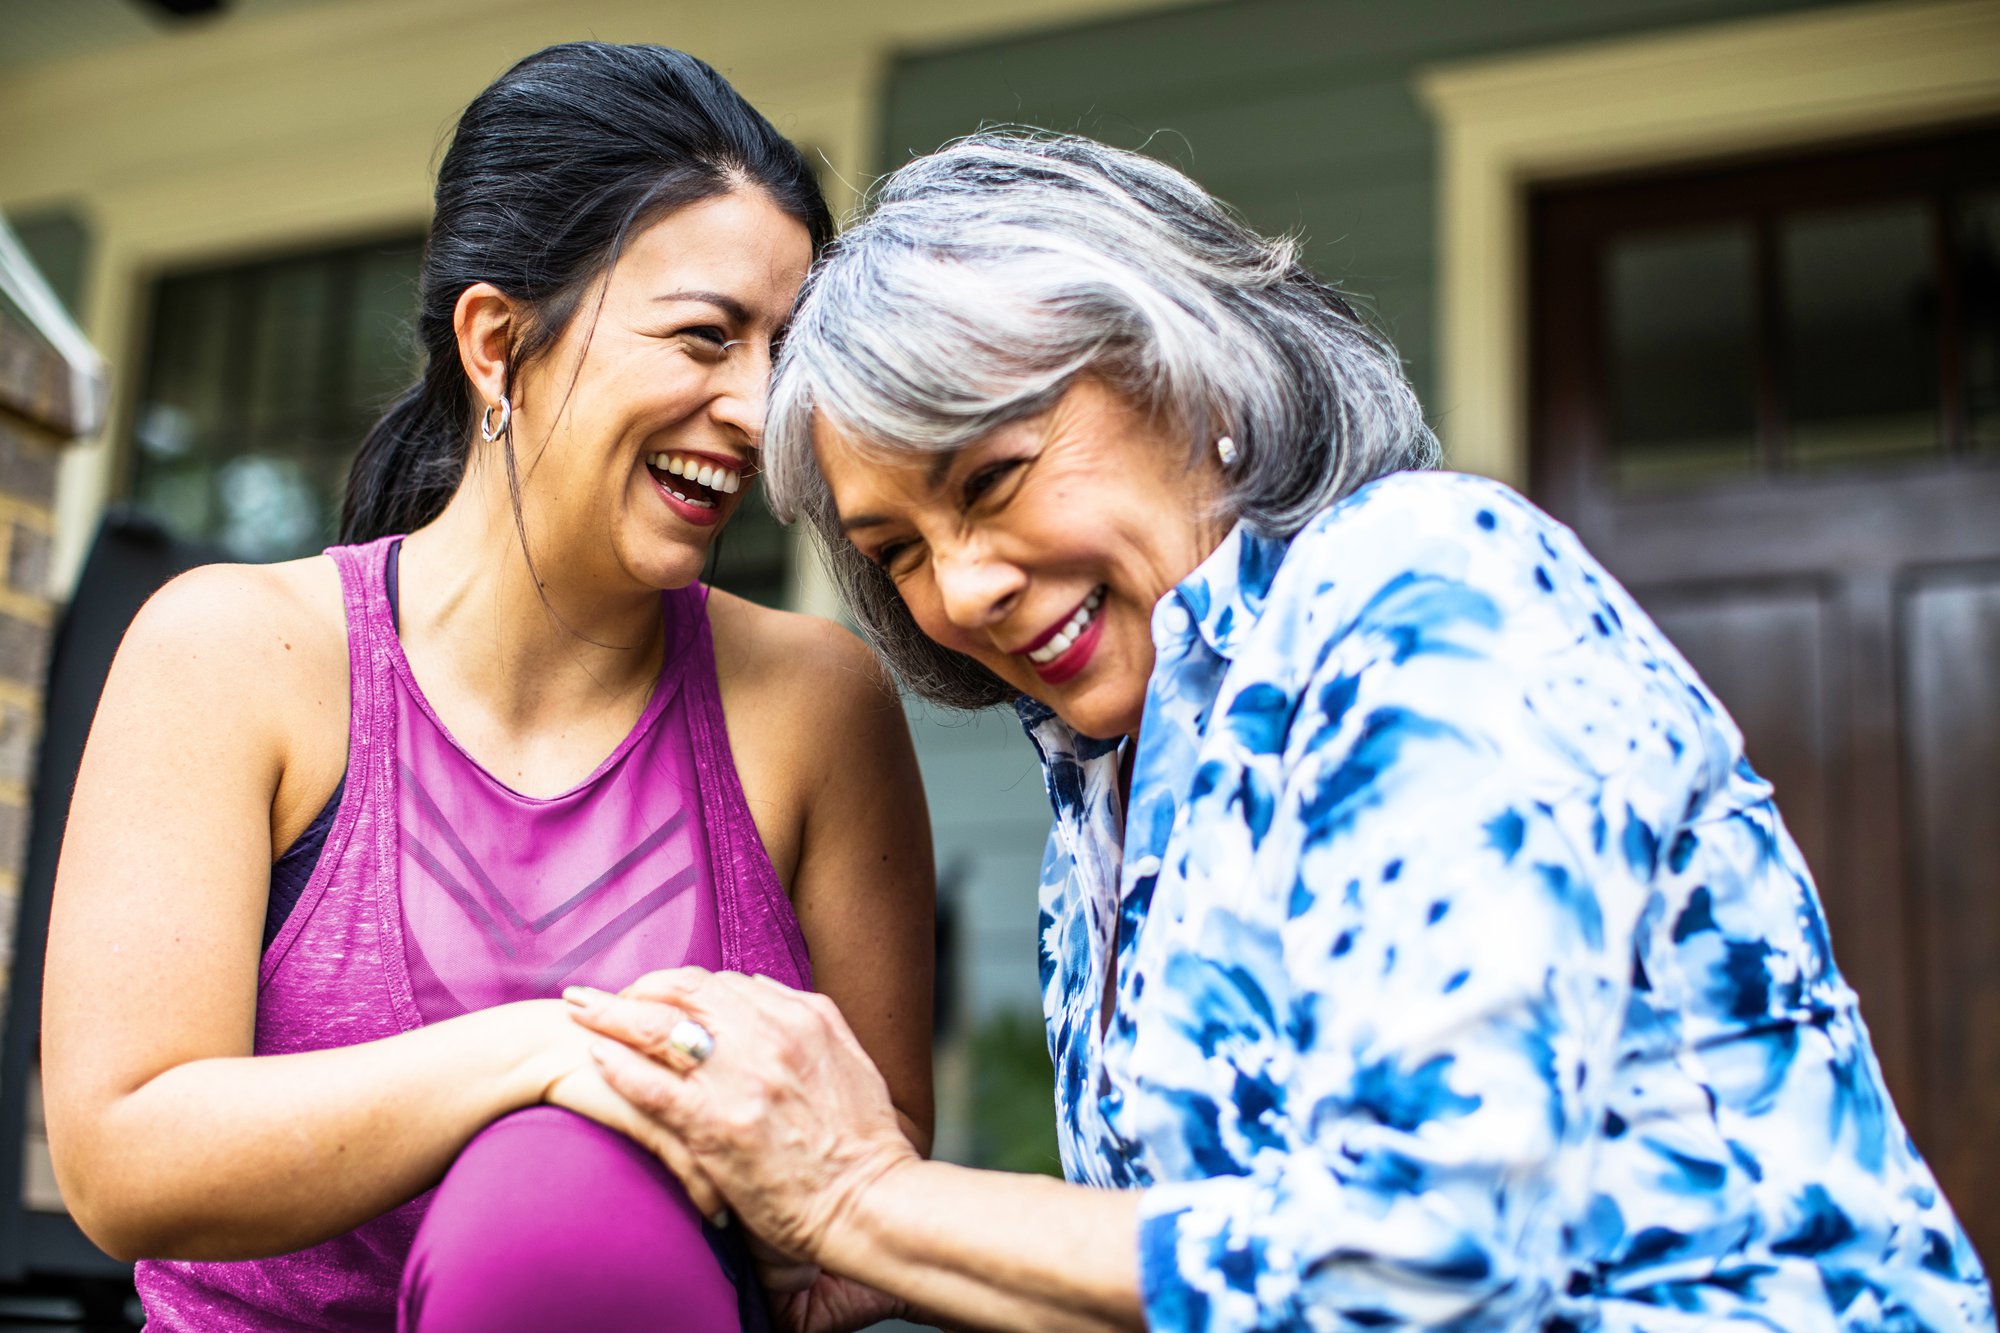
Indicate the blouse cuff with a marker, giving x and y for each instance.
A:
(1202, 1264)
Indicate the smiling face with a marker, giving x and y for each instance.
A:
(637, 430)
(1040, 549)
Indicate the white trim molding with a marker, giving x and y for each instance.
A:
(1682, 96)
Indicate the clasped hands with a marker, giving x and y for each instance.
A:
(786, 1124)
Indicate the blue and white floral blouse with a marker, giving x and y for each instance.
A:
(1466, 976)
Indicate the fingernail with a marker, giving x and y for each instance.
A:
(603, 1051)
(582, 996)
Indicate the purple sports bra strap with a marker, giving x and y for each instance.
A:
(760, 932)
(371, 759)
(363, 696)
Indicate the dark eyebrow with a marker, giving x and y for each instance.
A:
(728, 305)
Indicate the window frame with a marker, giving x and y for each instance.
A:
(1572, 224)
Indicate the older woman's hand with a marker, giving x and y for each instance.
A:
(785, 1115)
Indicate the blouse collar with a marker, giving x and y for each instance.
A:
(1219, 602)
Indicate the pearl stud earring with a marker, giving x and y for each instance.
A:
(1225, 449)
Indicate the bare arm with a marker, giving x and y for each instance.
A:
(865, 891)
(824, 752)
(992, 1249)
(169, 1139)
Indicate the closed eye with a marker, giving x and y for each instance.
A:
(894, 558)
(981, 483)
(705, 340)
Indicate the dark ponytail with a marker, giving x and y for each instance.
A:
(548, 172)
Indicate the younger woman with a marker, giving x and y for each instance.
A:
(347, 826)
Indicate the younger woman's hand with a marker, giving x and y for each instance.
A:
(585, 1092)
(561, 1072)
(834, 1304)
(779, 1273)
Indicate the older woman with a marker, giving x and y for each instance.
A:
(1419, 949)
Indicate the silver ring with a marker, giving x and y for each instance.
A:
(691, 1039)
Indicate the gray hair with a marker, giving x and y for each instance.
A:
(987, 277)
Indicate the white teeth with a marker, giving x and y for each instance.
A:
(716, 477)
(1071, 631)
(692, 500)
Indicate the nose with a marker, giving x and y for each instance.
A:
(976, 588)
(743, 388)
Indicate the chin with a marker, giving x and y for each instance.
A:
(667, 564)
(1101, 718)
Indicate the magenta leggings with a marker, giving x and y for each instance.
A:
(550, 1221)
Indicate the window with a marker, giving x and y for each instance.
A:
(259, 381)
(1823, 313)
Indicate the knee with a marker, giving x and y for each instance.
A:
(548, 1221)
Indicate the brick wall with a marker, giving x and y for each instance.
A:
(37, 416)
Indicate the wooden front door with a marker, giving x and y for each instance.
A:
(1767, 395)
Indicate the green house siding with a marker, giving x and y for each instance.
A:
(1301, 113)
(989, 816)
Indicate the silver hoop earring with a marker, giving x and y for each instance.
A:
(1225, 449)
(487, 430)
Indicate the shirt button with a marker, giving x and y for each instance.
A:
(1176, 620)
(1144, 866)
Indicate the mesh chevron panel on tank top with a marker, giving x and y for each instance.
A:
(511, 897)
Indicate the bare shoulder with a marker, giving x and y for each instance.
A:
(789, 661)
(806, 703)
(238, 615)
(240, 635)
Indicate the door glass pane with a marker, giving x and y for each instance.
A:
(1860, 334)
(1979, 306)
(1682, 359)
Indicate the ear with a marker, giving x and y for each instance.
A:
(484, 320)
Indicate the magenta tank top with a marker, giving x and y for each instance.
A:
(441, 891)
